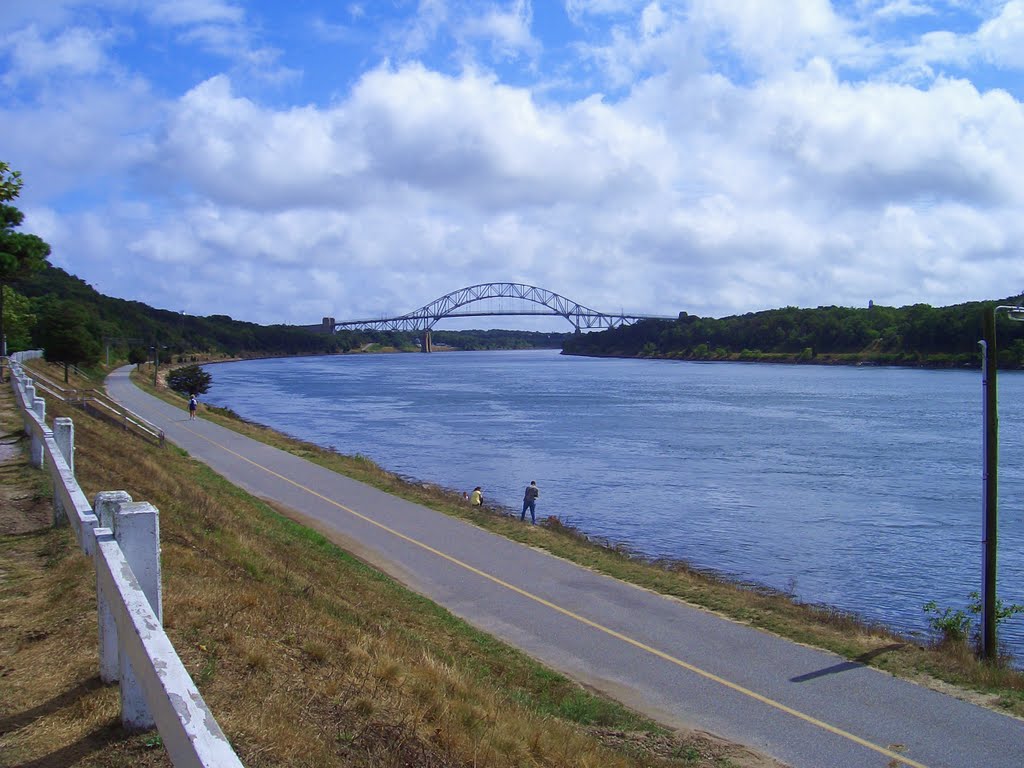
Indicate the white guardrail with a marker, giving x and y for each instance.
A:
(123, 538)
(91, 399)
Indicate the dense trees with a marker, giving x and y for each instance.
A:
(67, 335)
(20, 253)
(915, 335)
(19, 319)
(498, 339)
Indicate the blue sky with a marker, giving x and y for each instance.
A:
(278, 162)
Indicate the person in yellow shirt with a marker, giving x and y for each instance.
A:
(477, 497)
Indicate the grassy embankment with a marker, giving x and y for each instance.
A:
(950, 667)
(306, 656)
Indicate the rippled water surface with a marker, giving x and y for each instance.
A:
(856, 487)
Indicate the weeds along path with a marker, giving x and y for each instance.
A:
(679, 664)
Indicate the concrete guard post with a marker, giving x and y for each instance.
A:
(137, 532)
(38, 455)
(188, 729)
(105, 505)
(64, 437)
(64, 434)
(35, 444)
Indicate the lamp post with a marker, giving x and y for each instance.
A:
(990, 472)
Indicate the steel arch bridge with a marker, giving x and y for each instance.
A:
(451, 305)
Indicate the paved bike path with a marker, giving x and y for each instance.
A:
(680, 664)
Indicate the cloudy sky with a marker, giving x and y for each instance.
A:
(278, 162)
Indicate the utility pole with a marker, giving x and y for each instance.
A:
(990, 476)
(107, 340)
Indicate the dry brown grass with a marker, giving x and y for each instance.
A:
(306, 656)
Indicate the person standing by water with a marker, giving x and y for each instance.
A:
(477, 497)
(193, 403)
(530, 502)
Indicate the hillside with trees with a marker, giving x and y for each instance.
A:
(919, 335)
(132, 326)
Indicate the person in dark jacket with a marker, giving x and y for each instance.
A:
(530, 502)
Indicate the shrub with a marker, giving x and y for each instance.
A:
(957, 626)
(189, 380)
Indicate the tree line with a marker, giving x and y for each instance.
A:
(913, 335)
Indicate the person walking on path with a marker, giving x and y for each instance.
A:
(477, 497)
(192, 405)
(530, 502)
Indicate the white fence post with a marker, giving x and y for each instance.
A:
(64, 434)
(137, 532)
(104, 506)
(35, 444)
(64, 437)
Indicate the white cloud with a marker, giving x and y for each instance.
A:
(771, 40)
(735, 166)
(998, 41)
(1001, 39)
(507, 31)
(72, 52)
(896, 9)
(420, 32)
(406, 131)
(190, 12)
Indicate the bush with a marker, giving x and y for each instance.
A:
(957, 626)
(189, 380)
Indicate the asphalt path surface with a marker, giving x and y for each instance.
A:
(679, 664)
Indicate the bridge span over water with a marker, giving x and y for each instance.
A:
(526, 300)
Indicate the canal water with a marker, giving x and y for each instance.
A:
(856, 487)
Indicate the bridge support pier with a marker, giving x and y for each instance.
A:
(425, 343)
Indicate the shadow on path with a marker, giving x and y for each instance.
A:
(845, 666)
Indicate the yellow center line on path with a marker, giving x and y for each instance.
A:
(895, 756)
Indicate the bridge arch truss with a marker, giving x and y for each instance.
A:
(453, 304)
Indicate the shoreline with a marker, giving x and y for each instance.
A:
(823, 359)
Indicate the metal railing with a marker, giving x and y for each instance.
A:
(99, 404)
